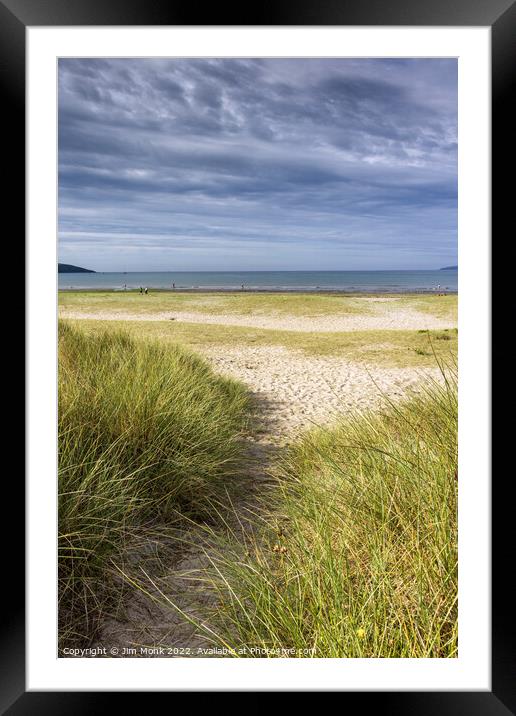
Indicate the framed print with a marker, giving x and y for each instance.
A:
(259, 397)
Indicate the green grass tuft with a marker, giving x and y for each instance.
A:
(145, 429)
(355, 554)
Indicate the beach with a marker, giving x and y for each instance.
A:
(300, 387)
(376, 314)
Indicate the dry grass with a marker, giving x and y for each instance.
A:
(386, 348)
(246, 304)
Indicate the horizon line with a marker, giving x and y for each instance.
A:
(439, 268)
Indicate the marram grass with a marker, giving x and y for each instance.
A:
(145, 430)
(355, 554)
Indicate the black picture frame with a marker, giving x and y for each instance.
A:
(500, 15)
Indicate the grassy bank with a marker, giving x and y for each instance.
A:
(356, 555)
(249, 304)
(145, 429)
(409, 349)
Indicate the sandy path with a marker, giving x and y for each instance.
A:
(302, 390)
(383, 316)
(170, 562)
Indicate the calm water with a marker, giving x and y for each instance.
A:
(359, 281)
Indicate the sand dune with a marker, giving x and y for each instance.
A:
(292, 391)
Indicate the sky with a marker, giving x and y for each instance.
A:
(257, 164)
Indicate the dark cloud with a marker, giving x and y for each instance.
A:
(200, 164)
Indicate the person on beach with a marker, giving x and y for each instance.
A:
(146, 290)
(141, 289)
(242, 287)
(173, 286)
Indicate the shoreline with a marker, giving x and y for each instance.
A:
(293, 291)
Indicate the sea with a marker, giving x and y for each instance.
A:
(347, 281)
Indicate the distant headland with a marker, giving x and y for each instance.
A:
(449, 268)
(69, 268)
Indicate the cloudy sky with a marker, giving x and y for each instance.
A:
(226, 164)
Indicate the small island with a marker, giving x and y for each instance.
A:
(69, 268)
(449, 268)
